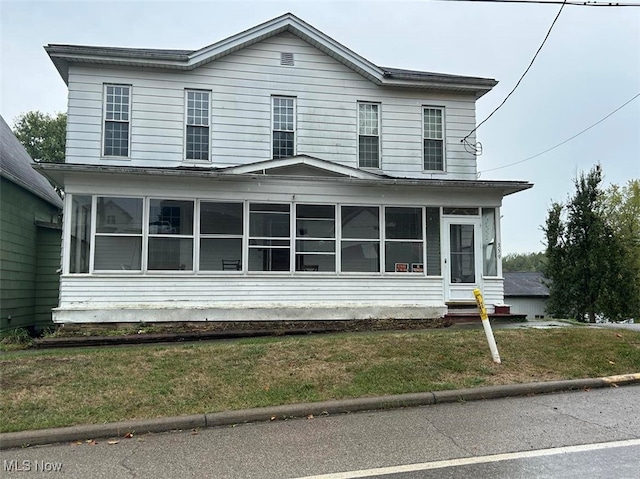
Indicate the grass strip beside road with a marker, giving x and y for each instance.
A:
(53, 388)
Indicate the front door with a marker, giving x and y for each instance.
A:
(462, 258)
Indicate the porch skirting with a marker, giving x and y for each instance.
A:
(242, 311)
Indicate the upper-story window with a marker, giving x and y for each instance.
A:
(368, 135)
(284, 126)
(116, 120)
(198, 114)
(433, 137)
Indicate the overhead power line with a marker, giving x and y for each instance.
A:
(464, 140)
(576, 3)
(565, 141)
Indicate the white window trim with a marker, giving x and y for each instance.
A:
(95, 234)
(380, 241)
(186, 123)
(444, 137)
(200, 236)
(295, 123)
(148, 236)
(248, 238)
(104, 120)
(422, 241)
(302, 238)
(379, 105)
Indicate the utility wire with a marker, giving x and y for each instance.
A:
(576, 3)
(464, 140)
(565, 141)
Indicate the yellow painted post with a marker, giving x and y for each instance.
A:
(487, 326)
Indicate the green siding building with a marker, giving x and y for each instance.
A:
(30, 239)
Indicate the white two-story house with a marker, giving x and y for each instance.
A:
(275, 174)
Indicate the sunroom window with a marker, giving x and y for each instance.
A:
(170, 235)
(403, 241)
(315, 238)
(269, 237)
(80, 247)
(360, 246)
(433, 241)
(220, 236)
(118, 240)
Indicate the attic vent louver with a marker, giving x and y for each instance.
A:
(286, 59)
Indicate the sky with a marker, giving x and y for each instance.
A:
(589, 66)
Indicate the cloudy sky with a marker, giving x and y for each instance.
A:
(589, 66)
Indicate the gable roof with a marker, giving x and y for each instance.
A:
(16, 166)
(318, 166)
(63, 55)
(528, 284)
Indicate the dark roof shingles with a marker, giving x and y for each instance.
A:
(525, 284)
(15, 165)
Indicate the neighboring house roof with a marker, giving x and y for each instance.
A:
(63, 55)
(16, 166)
(527, 284)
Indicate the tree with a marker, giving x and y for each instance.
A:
(622, 207)
(514, 262)
(588, 264)
(42, 135)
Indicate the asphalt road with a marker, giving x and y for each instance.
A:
(446, 440)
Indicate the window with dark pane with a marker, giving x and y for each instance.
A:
(221, 236)
(118, 237)
(269, 237)
(170, 234)
(360, 245)
(198, 113)
(403, 240)
(315, 238)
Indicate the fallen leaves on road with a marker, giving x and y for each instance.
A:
(128, 435)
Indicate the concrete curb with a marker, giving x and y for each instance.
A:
(11, 440)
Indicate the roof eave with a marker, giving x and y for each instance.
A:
(63, 55)
(56, 172)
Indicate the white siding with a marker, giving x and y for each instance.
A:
(242, 85)
(532, 307)
(493, 292)
(222, 290)
(157, 299)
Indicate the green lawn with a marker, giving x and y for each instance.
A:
(51, 388)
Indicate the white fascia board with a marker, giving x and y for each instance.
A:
(110, 60)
